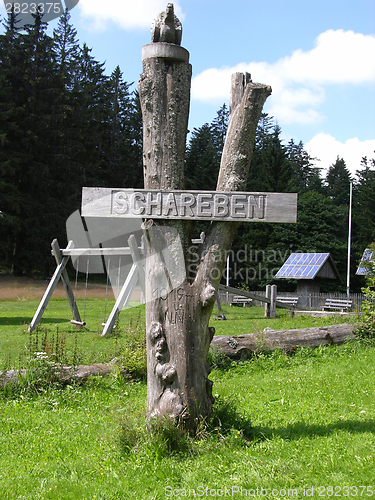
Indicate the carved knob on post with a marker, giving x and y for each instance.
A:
(167, 27)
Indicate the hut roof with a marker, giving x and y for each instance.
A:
(367, 257)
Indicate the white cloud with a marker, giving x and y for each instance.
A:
(339, 57)
(127, 14)
(326, 148)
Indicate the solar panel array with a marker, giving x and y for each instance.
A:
(302, 265)
(368, 256)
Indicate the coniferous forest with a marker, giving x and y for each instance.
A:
(65, 124)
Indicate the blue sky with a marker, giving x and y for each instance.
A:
(318, 56)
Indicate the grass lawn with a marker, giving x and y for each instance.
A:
(90, 347)
(291, 426)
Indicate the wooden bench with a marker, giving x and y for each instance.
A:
(291, 301)
(239, 299)
(342, 305)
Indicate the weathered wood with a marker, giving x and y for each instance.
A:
(242, 346)
(238, 299)
(189, 205)
(253, 295)
(177, 332)
(338, 304)
(292, 301)
(273, 301)
(49, 291)
(92, 252)
(138, 261)
(64, 373)
(122, 299)
(66, 284)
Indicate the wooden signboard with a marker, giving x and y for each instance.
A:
(202, 205)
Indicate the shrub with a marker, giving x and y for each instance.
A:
(366, 327)
(217, 359)
(132, 354)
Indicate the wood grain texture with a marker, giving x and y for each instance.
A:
(243, 346)
(190, 205)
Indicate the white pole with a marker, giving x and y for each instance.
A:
(349, 240)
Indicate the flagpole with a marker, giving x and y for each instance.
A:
(349, 239)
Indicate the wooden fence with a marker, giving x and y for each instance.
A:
(310, 302)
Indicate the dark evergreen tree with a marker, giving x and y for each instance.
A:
(219, 128)
(364, 205)
(30, 154)
(338, 181)
(305, 176)
(123, 161)
(67, 50)
(270, 168)
(202, 160)
(136, 159)
(11, 78)
(63, 124)
(91, 110)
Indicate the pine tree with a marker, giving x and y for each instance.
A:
(338, 181)
(91, 110)
(67, 50)
(137, 141)
(305, 176)
(202, 160)
(364, 205)
(30, 124)
(270, 168)
(219, 128)
(123, 159)
(11, 156)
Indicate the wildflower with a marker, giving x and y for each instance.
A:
(41, 355)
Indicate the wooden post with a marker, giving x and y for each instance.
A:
(138, 260)
(48, 293)
(179, 303)
(122, 299)
(273, 301)
(267, 305)
(66, 284)
(136, 273)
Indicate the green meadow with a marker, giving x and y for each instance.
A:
(299, 425)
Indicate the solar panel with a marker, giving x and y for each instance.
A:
(302, 265)
(367, 257)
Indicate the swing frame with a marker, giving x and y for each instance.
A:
(62, 257)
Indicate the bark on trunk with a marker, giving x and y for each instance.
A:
(179, 301)
(243, 346)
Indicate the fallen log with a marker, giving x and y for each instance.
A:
(64, 373)
(236, 347)
(243, 346)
